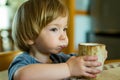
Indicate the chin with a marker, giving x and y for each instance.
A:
(56, 52)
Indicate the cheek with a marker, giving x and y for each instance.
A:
(67, 40)
(52, 38)
(50, 41)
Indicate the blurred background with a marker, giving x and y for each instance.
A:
(90, 21)
(7, 11)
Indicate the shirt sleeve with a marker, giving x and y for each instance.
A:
(18, 62)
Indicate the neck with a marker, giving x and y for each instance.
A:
(41, 57)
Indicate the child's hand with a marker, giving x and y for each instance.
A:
(84, 66)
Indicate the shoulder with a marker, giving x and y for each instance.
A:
(19, 61)
(23, 59)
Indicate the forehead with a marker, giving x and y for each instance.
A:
(60, 20)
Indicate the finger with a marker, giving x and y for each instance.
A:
(90, 58)
(92, 70)
(92, 64)
(88, 75)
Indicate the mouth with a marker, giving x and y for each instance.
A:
(62, 47)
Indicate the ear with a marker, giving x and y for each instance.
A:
(30, 42)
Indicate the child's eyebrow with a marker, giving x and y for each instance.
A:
(58, 25)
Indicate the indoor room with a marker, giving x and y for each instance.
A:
(90, 21)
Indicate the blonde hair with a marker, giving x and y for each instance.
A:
(31, 17)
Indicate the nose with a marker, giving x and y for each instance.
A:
(63, 36)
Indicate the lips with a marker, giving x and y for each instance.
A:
(62, 47)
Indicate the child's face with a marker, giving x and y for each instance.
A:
(53, 37)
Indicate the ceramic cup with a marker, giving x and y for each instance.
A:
(90, 49)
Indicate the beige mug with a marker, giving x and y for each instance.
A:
(91, 49)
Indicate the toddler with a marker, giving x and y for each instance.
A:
(39, 31)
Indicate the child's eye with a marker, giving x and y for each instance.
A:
(65, 29)
(53, 29)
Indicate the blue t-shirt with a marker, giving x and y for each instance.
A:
(26, 59)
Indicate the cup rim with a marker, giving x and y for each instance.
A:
(91, 44)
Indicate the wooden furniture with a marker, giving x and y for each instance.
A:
(112, 61)
(6, 58)
(73, 12)
(71, 5)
